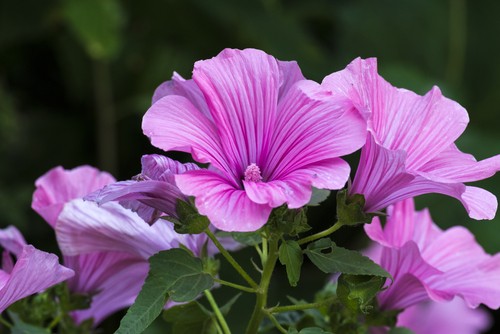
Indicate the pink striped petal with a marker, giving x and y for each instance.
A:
(241, 89)
(113, 280)
(313, 126)
(33, 272)
(84, 227)
(228, 209)
(59, 186)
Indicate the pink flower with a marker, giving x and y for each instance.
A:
(451, 317)
(410, 147)
(429, 263)
(34, 270)
(268, 134)
(112, 278)
(152, 193)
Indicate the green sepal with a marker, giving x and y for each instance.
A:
(245, 238)
(188, 220)
(350, 209)
(285, 221)
(357, 292)
(290, 255)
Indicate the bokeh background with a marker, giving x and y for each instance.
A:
(76, 76)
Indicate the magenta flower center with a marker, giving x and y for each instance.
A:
(252, 173)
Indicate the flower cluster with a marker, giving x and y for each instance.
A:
(265, 137)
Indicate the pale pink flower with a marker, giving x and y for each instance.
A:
(410, 147)
(429, 263)
(268, 134)
(113, 279)
(32, 272)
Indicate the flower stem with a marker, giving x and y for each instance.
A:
(299, 307)
(275, 322)
(5, 322)
(261, 301)
(231, 260)
(321, 234)
(234, 285)
(218, 313)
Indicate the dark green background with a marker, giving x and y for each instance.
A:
(77, 76)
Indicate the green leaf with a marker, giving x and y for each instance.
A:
(245, 238)
(330, 258)
(350, 209)
(290, 255)
(190, 318)
(227, 307)
(97, 24)
(189, 221)
(318, 196)
(308, 330)
(400, 330)
(357, 291)
(175, 273)
(20, 327)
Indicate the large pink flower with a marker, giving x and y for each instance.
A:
(410, 147)
(428, 263)
(33, 271)
(268, 134)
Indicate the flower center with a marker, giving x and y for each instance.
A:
(252, 173)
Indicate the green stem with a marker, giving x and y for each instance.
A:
(261, 301)
(300, 307)
(231, 260)
(54, 322)
(234, 285)
(5, 322)
(218, 313)
(275, 322)
(321, 234)
(457, 41)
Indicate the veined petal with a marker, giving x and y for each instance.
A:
(59, 186)
(241, 89)
(113, 280)
(456, 166)
(381, 174)
(33, 272)
(12, 240)
(84, 227)
(228, 208)
(161, 168)
(182, 87)
(290, 73)
(422, 126)
(312, 126)
(410, 272)
(346, 83)
(174, 123)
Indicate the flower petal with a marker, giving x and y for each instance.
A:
(84, 227)
(241, 89)
(312, 126)
(456, 166)
(186, 88)
(174, 123)
(228, 209)
(59, 186)
(113, 280)
(33, 272)
(12, 240)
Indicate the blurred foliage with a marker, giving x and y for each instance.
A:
(50, 109)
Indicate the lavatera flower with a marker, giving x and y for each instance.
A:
(428, 263)
(410, 147)
(267, 134)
